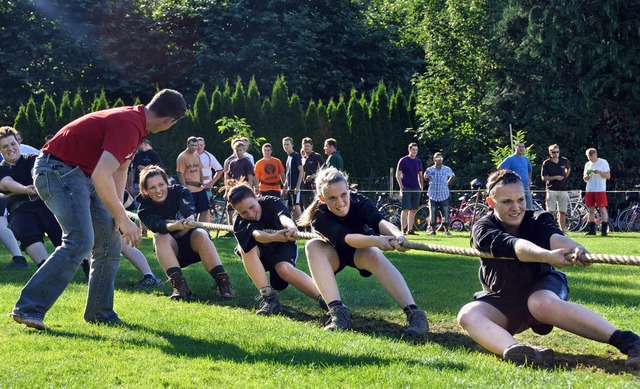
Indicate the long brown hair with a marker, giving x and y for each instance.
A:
(324, 177)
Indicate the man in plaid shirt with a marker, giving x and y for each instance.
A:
(439, 177)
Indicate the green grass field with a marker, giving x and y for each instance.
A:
(211, 343)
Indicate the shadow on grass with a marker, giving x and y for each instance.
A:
(186, 346)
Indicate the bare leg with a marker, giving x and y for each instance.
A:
(8, 239)
(374, 261)
(323, 262)
(486, 326)
(411, 215)
(404, 220)
(254, 268)
(202, 244)
(166, 250)
(297, 278)
(37, 252)
(136, 258)
(548, 308)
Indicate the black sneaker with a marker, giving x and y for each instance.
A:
(521, 354)
(418, 324)
(18, 262)
(148, 281)
(411, 232)
(269, 305)
(339, 319)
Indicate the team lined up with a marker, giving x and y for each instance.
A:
(82, 172)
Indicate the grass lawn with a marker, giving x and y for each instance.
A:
(214, 343)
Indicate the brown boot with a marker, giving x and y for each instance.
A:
(224, 286)
(181, 290)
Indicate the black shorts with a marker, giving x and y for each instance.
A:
(186, 256)
(411, 199)
(200, 201)
(346, 256)
(273, 253)
(514, 306)
(31, 221)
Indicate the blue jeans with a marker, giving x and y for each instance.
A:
(443, 206)
(87, 227)
(528, 198)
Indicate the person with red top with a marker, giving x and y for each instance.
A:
(81, 174)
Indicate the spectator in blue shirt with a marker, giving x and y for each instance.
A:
(520, 164)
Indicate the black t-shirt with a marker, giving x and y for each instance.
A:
(178, 205)
(293, 161)
(21, 173)
(550, 168)
(311, 165)
(272, 208)
(144, 158)
(512, 276)
(362, 218)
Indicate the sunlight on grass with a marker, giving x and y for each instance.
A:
(210, 343)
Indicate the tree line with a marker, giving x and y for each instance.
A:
(372, 130)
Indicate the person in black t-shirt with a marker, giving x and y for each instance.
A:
(528, 291)
(555, 171)
(262, 251)
(29, 218)
(177, 243)
(311, 163)
(355, 236)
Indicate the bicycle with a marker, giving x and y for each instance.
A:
(460, 218)
(389, 205)
(629, 218)
(218, 207)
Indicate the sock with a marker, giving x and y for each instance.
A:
(216, 270)
(604, 226)
(409, 308)
(622, 340)
(266, 291)
(334, 303)
(172, 270)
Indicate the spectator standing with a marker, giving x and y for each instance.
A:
(439, 177)
(555, 171)
(209, 165)
(596, 173)
(294, 175)
(520, 164)
(269, 173)
(334, 158)
(81, 174)
(189, 172)
(311, 163)
(409, 177)
(145, 156)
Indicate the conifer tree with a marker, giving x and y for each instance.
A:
(313, 125)
(253, 104)
(77, 108)
(64, 111)
(33, 128)
(100, 102)
(202, 122)
(48, 120)
(239, 100)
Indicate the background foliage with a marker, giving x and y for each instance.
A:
(563, 71)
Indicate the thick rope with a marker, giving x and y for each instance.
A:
(466, 252)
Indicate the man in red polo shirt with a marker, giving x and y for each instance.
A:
(81, 174)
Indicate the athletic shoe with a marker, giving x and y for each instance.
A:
(181, 290)
(633, 356)
(148, 281)
(33, 323)
(269, 305)
(411, 232)
(229, 234)
(339, 318)
(323, 305)
(418, 324)
(432, 232)
(521, 354)
(18, 262)
(224, 286)
(447, 233)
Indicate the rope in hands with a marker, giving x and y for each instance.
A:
(586, 258)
